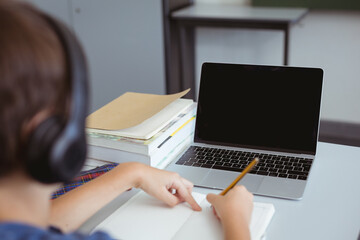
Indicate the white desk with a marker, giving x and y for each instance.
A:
(329, 210)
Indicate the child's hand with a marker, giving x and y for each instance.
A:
(236, 204)
(167, 186)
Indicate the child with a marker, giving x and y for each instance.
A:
(33, 87)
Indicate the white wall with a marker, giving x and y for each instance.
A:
(123, 41)
(124, 44)
(58, 8)
(330, 40)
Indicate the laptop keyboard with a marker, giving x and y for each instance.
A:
(230, 160)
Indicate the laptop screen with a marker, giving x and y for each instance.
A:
(261, 107)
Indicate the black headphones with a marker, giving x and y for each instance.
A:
(57, 149)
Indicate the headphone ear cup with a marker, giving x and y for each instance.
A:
(40, 144)
(68, 154)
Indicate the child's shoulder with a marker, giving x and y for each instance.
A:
(17, 231)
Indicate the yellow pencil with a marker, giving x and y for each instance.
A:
(242, 174)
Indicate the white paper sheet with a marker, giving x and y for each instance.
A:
(144, 217)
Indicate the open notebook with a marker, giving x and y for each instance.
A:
(144, 217)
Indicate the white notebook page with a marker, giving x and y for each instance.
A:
(144, 217)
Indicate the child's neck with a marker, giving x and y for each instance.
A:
(24, 200)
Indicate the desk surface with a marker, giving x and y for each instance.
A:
(330, 208)
(224, 12)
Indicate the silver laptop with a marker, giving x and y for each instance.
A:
(248, 111)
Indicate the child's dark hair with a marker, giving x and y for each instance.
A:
(32, 77)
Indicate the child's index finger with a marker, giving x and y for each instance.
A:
(189, 198)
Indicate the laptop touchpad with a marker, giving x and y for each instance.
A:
(252, 182)
(222, 179)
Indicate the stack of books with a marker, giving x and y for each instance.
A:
(155, 141)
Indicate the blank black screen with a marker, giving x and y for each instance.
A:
(274, 108)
